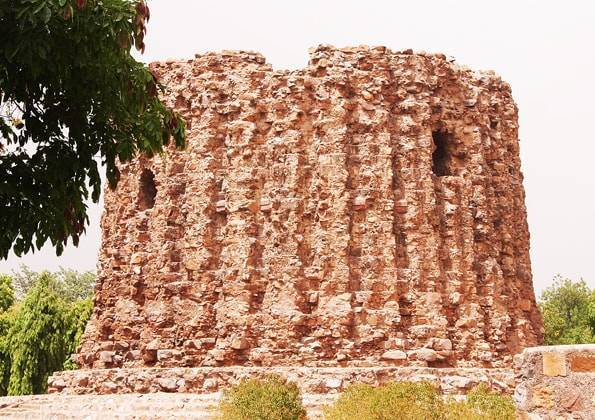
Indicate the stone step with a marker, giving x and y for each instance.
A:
(129, 406)
(99, 407)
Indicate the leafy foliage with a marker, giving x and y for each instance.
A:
(271, 398)
(76, 320)
(70, 94)
(37, 340)
(568, 310)
(6, 320)
(69, 284)
(418, 401)
(38, 334)
(480, 404)
(398, 400)
(6, 292)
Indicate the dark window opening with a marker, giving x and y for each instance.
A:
(148, 190)
(440, 156)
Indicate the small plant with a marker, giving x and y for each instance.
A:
(491, 405)
(418, 401)
(270, 398)
(399, 400)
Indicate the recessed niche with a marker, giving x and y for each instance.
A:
(448, 156)
(147, 190)
(440, 156)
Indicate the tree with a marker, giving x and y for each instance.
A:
(39, 332)
(6, 320)
(70, 94)
(37, 340)
(69, 284)
(6, 292)
(76, 320)
(567, 312)
(23, 280)
(75, 286)
(7, 300)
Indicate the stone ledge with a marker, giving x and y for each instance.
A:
(567, 348)
(310, 380)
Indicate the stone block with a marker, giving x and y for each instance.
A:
(394, 355)
(554, 364)
(542, 397)
(582, 362)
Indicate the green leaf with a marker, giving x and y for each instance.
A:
(38, 9)
(89, 99)
(47, 14)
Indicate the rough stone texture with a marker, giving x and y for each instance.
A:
(310, 380)
(130, 406)
(556, 382)
(109, 407)
(366, 207)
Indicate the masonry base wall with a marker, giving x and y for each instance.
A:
(310, 380)
(556, 382)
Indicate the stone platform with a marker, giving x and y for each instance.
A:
(310, 380)
(125, 406)
(551, 382)
(199, 388)
(158, 405)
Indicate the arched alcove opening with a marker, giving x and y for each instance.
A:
(147, 190)
(441, 156)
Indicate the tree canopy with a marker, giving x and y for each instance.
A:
(41, 329)
(71, 94)
(69, 284)
(568, 310)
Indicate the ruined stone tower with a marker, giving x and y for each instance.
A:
(365, 211)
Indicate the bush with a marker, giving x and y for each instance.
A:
(490, 405)
(481, 404)
(418, 401)
(271, 398)
(398, 400)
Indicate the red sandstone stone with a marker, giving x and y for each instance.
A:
(316, 216)
(582, 362)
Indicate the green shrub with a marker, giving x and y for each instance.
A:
(398, 400)
(491, 405)
(270, 398)
(37, 340)
(418, 401)
(41, 328)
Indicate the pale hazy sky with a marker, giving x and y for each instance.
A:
(544, 49)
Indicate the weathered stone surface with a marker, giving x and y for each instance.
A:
(554, 364)
(583, 362)
(310, 380)
(547, 388)
(373, 196)
(107, 407)
(394, 355)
